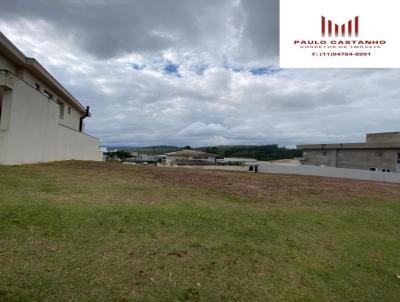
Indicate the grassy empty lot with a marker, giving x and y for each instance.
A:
(80, 231)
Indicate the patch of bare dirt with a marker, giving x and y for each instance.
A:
(277, 188)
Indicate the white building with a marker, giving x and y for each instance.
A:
(40, 120)
(190, 157)
(236, 160)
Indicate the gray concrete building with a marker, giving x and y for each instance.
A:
(40, 120)
(380, 152)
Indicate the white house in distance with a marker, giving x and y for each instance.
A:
(190, 157)
(40, 121)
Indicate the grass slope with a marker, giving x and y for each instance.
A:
(80, 231)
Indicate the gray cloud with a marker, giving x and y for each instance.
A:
(111, 28)
(113, 57)
(261, 31)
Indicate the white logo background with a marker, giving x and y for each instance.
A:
(301, 20)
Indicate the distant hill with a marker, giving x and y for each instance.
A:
(259, 152)
(151, 150)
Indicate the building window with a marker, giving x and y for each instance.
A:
(1, 102)
(37, 86)
(372, 169)
(61, 108)
(379, 154)
(323, 153)
(398, 158)
(5, 104)
(48, 94)
(69, 110)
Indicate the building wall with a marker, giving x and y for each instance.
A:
(71, 119)
(363, 159)
(383, 137)
(30, 130)
(170, 159)
(368, 158)
(7, 65)
(320, 157)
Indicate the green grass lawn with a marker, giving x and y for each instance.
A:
(80, 231)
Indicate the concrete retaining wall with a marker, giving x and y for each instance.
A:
(329, 172)
(305, 170)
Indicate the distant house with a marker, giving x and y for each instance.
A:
(40, 120)
(191, 157)
(145, 158)
(236, 161)
(381, 152)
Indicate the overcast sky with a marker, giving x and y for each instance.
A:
(195, 72)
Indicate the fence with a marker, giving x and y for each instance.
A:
(329, 172)
(305, 170)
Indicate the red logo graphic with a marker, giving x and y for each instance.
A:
(340, 29)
